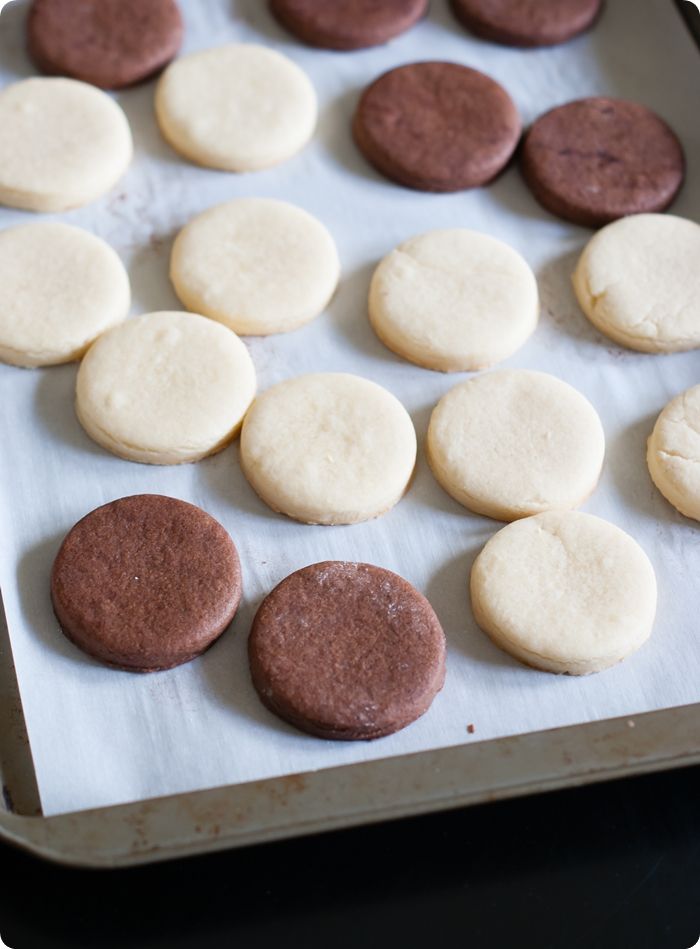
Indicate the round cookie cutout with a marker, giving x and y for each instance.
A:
(347, 24)
(565, 592)
(165, 388)
(596, 160)
(347, 651)
(638, 282)
(526, 23)
(146, 583)
(513, 443)
(239, 107)
(63, 144)
(257, 265)
(673, 453)
(453, 300)
(437, 126)
(328, 448)
(108, 43)
(60, 288)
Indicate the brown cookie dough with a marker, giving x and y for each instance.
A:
(347, 24)
(346, 651)
(595, 160)
(437, 126)
(109, 43)
(526, 22)
(146, 582)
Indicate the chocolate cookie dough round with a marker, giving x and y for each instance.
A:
(146, 582)
(526, 22)
(437, 126)
(110, 43)
(347, 651)
(599, 159)
(347, 24)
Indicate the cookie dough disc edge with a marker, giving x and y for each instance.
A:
(688, 507)
(536, 661)
(305, 515)
(589, 305)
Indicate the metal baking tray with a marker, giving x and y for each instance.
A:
(234, 816)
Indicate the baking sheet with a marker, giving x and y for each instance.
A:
(101, 737)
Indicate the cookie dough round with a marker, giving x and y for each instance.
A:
(437, 126)
(63, 144)
(146, 583)
(165, 388)
(347, 24)
(347, 651)
(673, 453)
(239, 107)
(599, 159)
(453, 300)
(564, 592)
(526, 23)
(259, 266)
(110, 43)
(638, 281)
(513, 443)
(328, 448)
(60, 288)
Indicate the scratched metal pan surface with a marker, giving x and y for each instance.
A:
(324, 798)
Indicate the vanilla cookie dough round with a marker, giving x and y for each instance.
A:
(673, 453)
(165, 388)
(453, 300)
(257, 265)
(565, 592)
(239, 107)
(513, 443)
(60, 288)
(63, 144)
(638, 282)
(328, 448)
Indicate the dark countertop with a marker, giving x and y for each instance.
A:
(615, 865)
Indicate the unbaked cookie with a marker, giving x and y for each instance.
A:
(237, 107)
(515, 442)
(638, 281)
(328, 448)
(165, 388)
(453, 300)
(63, 144)
(347, 24)
(60, 287)
(437, 126)
(527, 22)
(146, 582)
(564, 592)
(110, 43)
(673, 453)
(599, 159)
(259, 266)
(347, 651)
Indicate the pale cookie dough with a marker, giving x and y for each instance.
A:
(239, 107)
(564, 592)
(63, 144)
(673, 453)
(60, 287)
(259, 266)
(328, 448)
(453, 300)
(165, 388)
(638, 281)
(515, 442)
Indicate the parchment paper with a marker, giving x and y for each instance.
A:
(102, 737)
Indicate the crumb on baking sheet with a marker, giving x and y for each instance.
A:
(471, 729)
